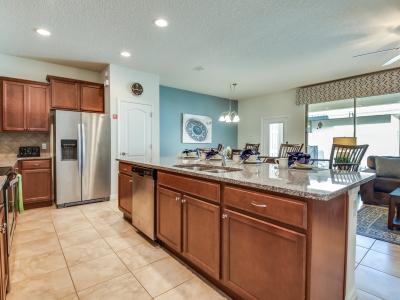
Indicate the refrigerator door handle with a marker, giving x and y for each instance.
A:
(79, 154)
(83, 146)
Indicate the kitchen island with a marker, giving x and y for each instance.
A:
(256, 231)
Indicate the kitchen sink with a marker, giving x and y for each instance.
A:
(222, 170)
(208, 168)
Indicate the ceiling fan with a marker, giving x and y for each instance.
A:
(389, 62)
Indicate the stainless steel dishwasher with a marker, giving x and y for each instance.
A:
(143, 201)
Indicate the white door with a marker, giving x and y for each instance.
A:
(135, 131)
(273, 135)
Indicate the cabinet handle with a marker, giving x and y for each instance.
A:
(131, 181)
(224, 216)
(258, 205)
(177, 198)
(183, 200)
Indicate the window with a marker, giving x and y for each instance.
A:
(373, 120)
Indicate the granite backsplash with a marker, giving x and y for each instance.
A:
(11, 141)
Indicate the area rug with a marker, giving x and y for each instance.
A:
(372, 222)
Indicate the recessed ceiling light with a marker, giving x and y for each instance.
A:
(125, 54)
(43, 32)
(161, 23)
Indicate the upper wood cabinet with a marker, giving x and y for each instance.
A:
(25, 106)
(13, 106)
(64, 94)
(37, 108)
(92, 98)
(71, 94)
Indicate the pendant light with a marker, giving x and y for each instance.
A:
(230, 116)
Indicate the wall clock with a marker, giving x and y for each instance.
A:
(137, 89)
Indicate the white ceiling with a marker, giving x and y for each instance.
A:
(265, 46)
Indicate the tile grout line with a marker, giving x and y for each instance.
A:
(62, 251)
(369, 293)
(395, 276)
(114, 251)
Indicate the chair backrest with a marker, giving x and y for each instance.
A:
(346, 158)
(252, 146)
(286, 148)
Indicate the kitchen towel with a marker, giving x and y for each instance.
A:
(19, 203)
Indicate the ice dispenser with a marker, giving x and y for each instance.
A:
(69, 149)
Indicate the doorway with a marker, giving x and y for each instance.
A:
(273, 135)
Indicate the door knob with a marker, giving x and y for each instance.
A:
(123, 153)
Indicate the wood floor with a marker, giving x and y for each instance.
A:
(90, 252)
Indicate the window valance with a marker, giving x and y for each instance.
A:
(372, 84)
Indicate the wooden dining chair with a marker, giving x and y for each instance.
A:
(255, 147)
(284, 151)
(346, 158)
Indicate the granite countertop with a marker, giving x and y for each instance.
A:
(317, 184)
(10, 160)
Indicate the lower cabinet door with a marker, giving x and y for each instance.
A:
(262, 260)
(125, 193)
(201, 234)
(36, 185)
(169, 218)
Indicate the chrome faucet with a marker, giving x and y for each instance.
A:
(223, 161)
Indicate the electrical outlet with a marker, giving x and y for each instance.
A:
(44, 146)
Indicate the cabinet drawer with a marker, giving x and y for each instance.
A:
(196, 187)
(125, 168)
(274, 207)
(36, 164)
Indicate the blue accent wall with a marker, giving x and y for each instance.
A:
(175, 102)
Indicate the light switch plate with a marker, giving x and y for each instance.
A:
(44, 146)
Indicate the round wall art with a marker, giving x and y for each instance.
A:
(196, 129)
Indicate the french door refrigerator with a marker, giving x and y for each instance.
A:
(82, 150)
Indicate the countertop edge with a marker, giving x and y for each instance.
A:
(264, 187)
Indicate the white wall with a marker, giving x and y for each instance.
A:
(282, 104)
(23, 68)
(120, 80)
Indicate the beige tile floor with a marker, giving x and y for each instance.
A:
(90, 252)
(377, 269)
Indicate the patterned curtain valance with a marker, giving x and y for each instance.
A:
(373, 84)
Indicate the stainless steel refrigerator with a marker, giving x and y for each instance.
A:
(82, 150)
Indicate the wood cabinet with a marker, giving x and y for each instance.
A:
(37, 108)
(252, 243)
(64, 94)
(169, 218)
(71, 94)
(188, 224)
(201, 234)
(125, 189)
(36, 178)
(4, 269)
(262, 260)
(125, 193)
(25, 106)
(92, 98)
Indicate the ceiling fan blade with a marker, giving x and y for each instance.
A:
(376, 52)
